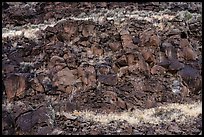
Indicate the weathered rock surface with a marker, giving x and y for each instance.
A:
(105, 57)
(15, 85)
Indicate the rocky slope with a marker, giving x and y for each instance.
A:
(101, 68)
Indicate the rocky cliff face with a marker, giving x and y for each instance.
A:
(66, 66)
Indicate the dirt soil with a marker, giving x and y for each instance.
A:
(101, 68)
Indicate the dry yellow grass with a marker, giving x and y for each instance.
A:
(163, 114)
(31, 30)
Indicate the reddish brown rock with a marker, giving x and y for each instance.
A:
(68, 89)
(133, 68)
(184, 43)
(127, 41)
(130, 59)
(97, 51)
(88, 75)
(115, 46)
(95, 132)
(84, 80)
(185, 91)
(155, 41)
(188, 53)
(15, 85)
(74, 41)
(145, 37)
(59, 66)
(80, 71)
(89, 53)
(90, 70)
(115, 68)
(148, 56)
(64, 77)
(88, 30)
(70, 29)
(66, 56)
(91, 81)
(143, 66)
(156, 69)
(56, 68)
(149, 103)
(60, 87)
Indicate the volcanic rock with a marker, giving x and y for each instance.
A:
(148, 56)
(44, 130)
(64, 77)
(171, 52)
(28, 120)
(175, 65)
(36, 85)
(122, 61)
(130, 59)
(115, 46)
(155, 41)
(156, 69)
(97, 51)
(110, 79)
(192, 78)
(163, 61)
(15, 85)
(184, 43)
(7, 123)
(136, 40)
(127, 41)
(189, 54)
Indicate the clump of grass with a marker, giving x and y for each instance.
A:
(188, 15)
